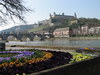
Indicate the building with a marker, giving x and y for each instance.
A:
(84, 30)
(45, 22)
(62, 16)
(87, 30)
(73, 22)
(94, 30)
(41, 32)
(61, 32)
(76, 32)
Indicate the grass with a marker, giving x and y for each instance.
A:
(38, 28)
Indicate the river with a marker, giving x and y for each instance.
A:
(59, 42)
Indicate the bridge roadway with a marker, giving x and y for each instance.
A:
(23, 37)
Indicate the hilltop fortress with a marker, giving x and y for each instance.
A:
(58, 19)
(62, 16)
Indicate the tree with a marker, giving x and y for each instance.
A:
(9, 9)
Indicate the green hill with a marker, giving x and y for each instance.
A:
(38, 28)
(20, 28)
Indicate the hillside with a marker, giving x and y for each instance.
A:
(42, 27)
(65, 23)
(20, 28)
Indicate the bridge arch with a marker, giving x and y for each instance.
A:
(47, 36)
(36, 37)
(0, 38)
(11, 38)
(25, 38)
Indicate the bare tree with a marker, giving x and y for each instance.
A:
(9, 9)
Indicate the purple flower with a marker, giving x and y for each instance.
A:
(92, 48)
(19, 55)
(81, 48)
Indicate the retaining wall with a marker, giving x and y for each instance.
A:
(87, 67)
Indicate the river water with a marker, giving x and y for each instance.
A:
(59, 42)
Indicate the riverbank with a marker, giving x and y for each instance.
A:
(45, 47)
(80, 38)
(85, 38)
(62, 49)
(54, 48)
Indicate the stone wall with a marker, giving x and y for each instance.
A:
(86, 67)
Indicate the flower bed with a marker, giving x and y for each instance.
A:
(80, 57)
(88, 50)
(20, 54)
(31, 61)
(27, 62)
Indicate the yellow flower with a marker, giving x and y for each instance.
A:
(23, 74)
(12, 63)
(19, 64)
(86, 48)
(0, 65)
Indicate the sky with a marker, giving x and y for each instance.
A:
(42, 9)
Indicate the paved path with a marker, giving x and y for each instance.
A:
(17, 48)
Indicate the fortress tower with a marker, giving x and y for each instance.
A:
(50, 15)
(54, 14)
(63, 14)
(75, 15)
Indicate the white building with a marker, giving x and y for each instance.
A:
(61, 32)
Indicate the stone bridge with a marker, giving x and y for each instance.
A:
(24, 37)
